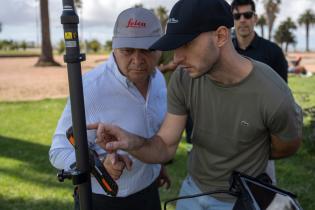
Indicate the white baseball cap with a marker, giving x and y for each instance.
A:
(136, 28)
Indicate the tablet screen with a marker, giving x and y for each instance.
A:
(267, 198)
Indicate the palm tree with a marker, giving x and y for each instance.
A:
(307, 18)
(78, 4)
(284, 34)
(161, 13)
(261, 23)
(272, 8)
(46, 57)
(138, 5)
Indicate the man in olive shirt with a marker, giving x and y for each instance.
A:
(248, 43)
(243, 113)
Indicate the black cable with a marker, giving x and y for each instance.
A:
(200, 194)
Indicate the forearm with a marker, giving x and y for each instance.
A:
(61, 153)
(278, 153)
(62, 158)
(281, 149)
(158, 149)
(153, 150)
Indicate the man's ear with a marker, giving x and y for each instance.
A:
(223, 35)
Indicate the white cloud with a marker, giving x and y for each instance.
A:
(17, 12)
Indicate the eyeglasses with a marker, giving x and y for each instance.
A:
(246, 15)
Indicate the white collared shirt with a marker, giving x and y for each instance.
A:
(111, 98)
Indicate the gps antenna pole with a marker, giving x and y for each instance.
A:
(73, 58)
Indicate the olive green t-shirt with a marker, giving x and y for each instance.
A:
(232, 124)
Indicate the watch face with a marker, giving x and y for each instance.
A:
(268, 198)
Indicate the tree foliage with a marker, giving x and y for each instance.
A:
(271, 11)
(138, 5)
(108, 45)
(161, 13)
(307, 19)
(93, 45)
(61, 47)
(78, 4)
(284, 33)
(261, 23)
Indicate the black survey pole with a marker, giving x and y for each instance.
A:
(73, 58)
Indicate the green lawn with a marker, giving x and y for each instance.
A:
(20, 52)
(28, 182)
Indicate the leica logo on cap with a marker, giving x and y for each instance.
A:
(135, 24)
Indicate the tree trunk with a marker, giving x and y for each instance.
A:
(286, 47)
(270, 26)
(307, 38)
(262, 31)
(46, 57)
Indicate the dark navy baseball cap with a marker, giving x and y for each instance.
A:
(189, 18)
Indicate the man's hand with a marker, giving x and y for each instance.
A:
(171, 66)
(157, 149)
(163, 178)
(111, 138)
(115, 164)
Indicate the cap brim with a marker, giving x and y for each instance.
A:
(172, 41)
(134, 42)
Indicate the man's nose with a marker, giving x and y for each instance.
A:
(137, 57)
(242, 18)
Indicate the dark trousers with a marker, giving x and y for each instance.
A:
(146, 199)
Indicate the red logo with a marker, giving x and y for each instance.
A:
(136, 24)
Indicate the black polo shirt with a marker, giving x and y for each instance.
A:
(267, 52)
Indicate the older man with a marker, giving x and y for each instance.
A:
(243, 113)
(129, 91)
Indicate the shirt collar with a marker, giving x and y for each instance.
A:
(254, 43)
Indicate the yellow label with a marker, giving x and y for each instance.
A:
(68, 35)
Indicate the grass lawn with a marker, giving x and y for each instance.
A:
(28, 182)
(20, 52)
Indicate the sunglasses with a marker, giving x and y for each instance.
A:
(247, 15)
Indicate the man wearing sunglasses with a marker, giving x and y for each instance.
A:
(248, 43)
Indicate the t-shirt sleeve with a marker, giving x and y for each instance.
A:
(176, 99)
(287, 121)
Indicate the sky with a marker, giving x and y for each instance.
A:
(20, 18)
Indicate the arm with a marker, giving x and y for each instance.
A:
(286, 128)
(164, 179)
(171, 66)
(158, 149)
(61, 153)
(282, 149)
